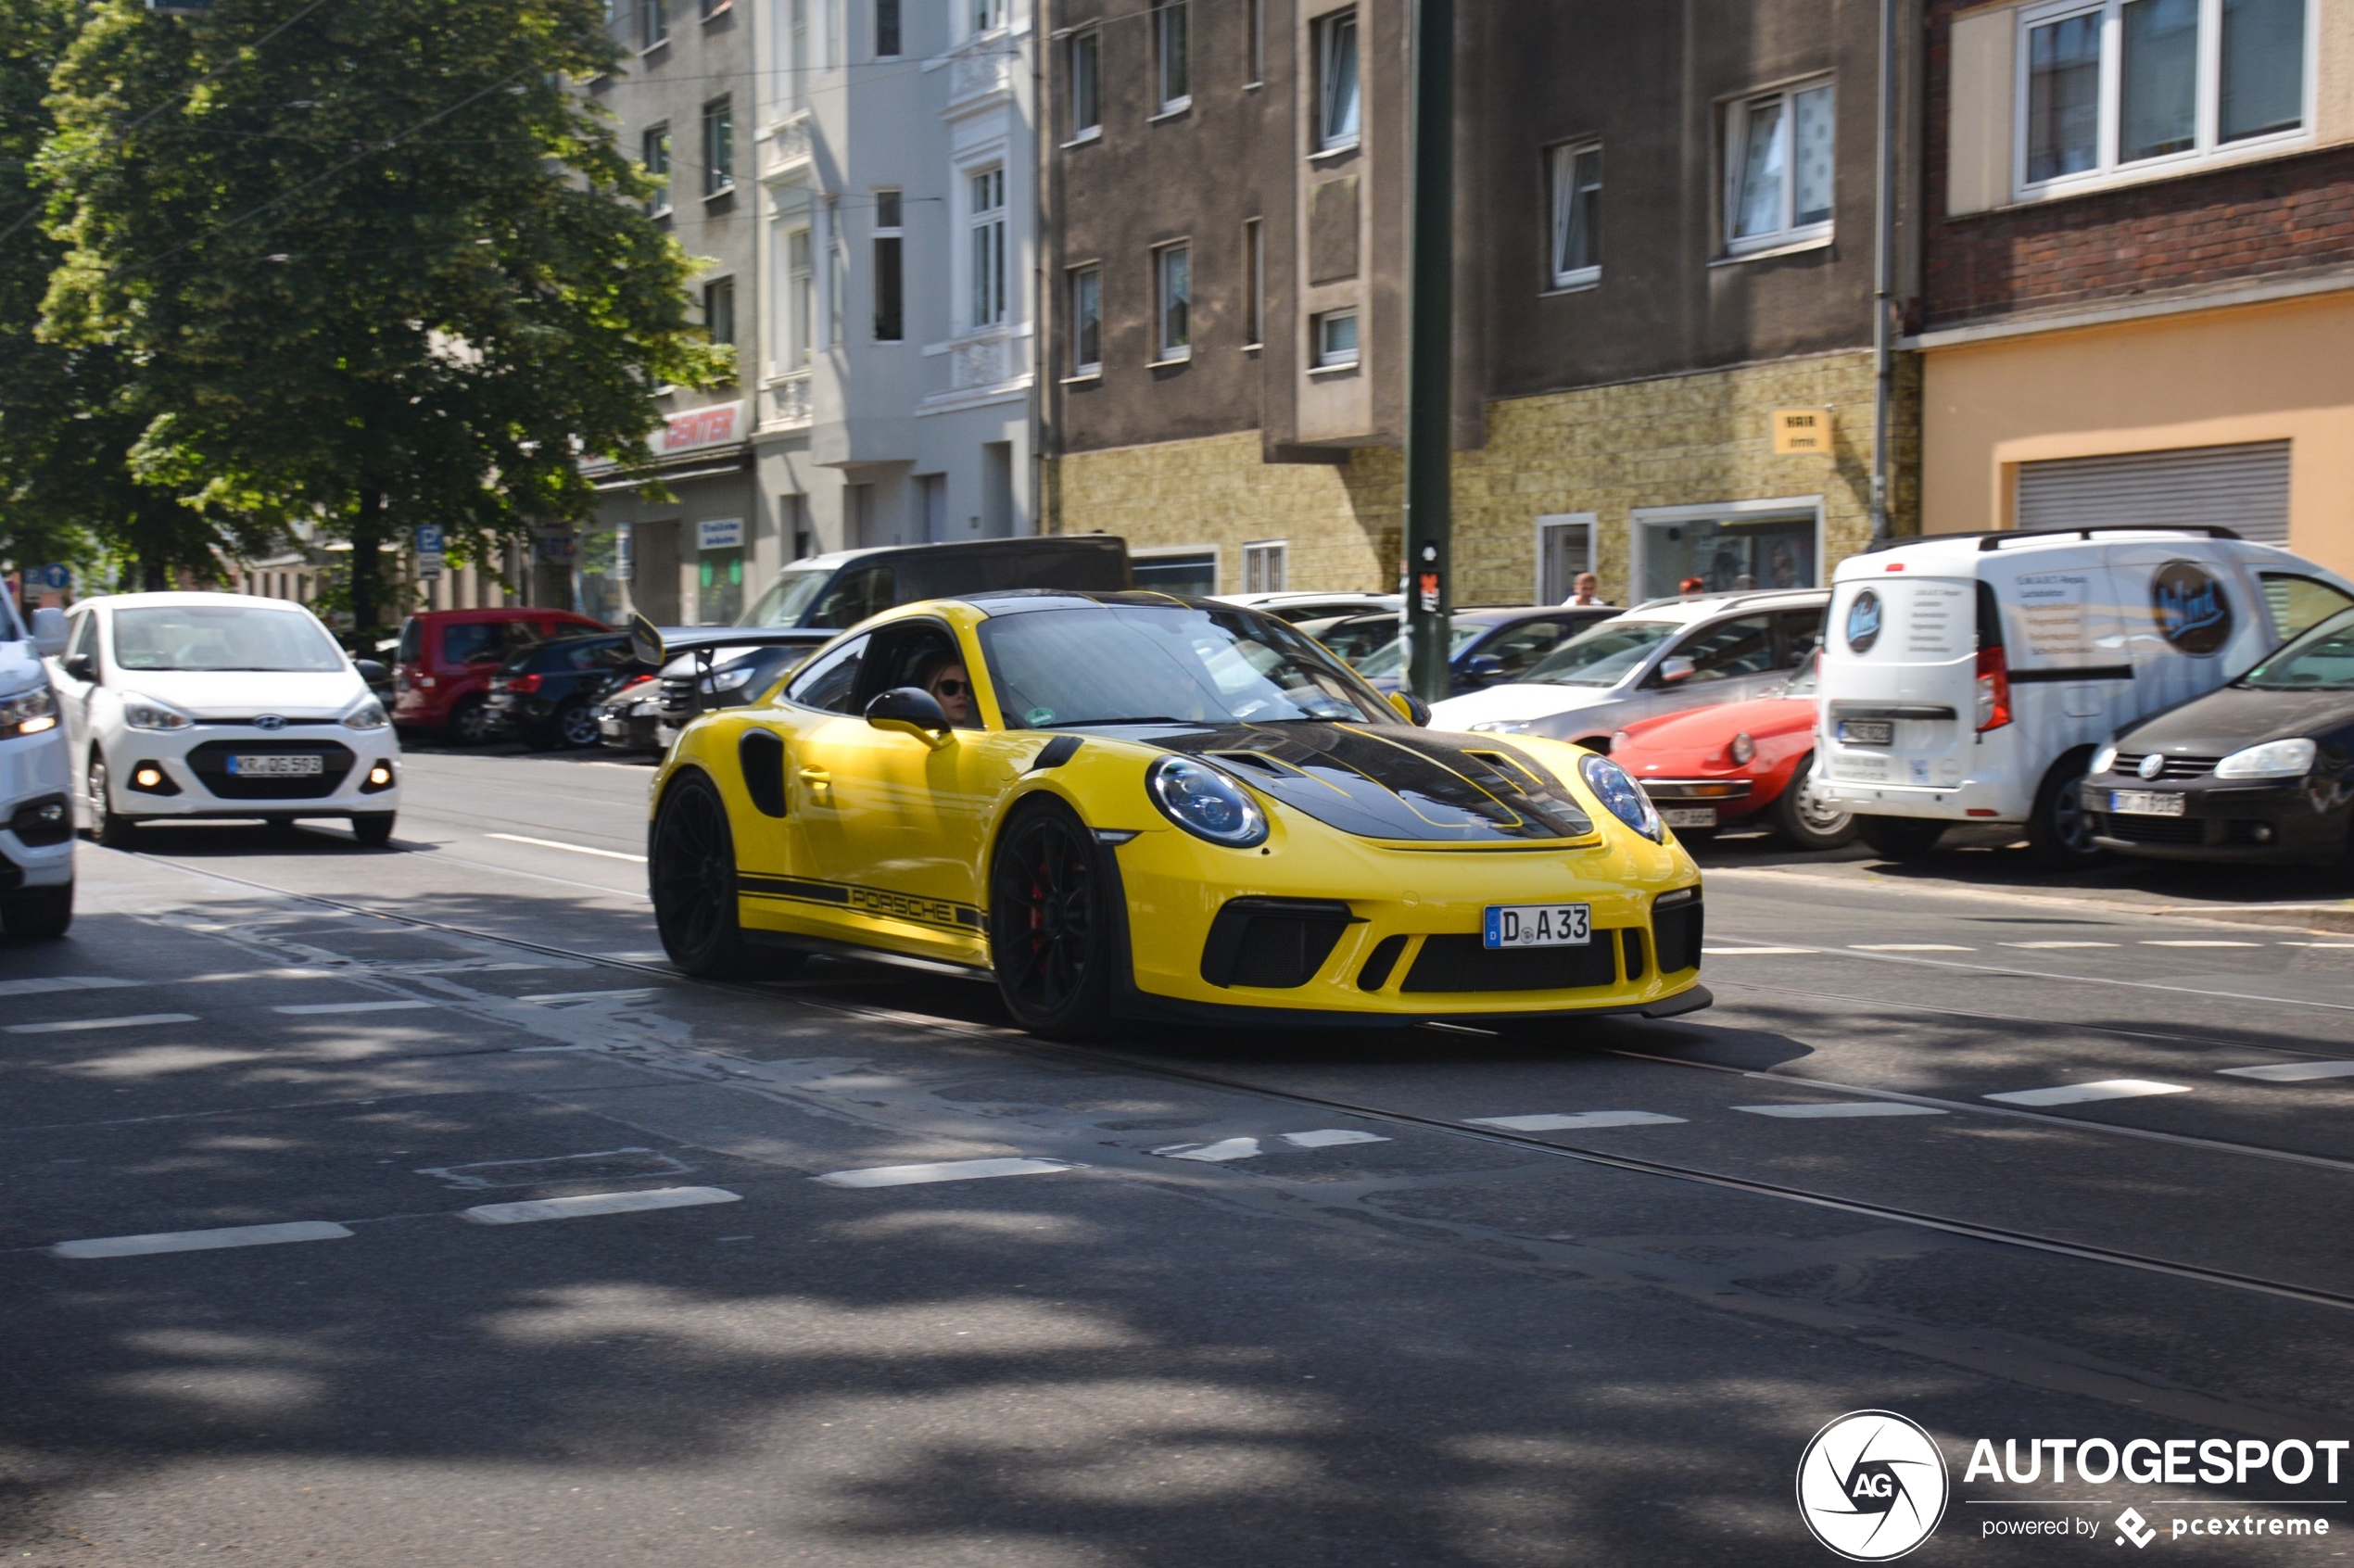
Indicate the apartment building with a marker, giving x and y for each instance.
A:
(1668, 217)
(2138, 301)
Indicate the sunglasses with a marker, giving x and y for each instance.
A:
(951, 688)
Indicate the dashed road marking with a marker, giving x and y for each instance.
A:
(42, 983)
(2293, 1072)
(1825, 1108)
(586, 1204)
(629, 994)
(1754, 952)
(1212, 1154)
(558, 844)
(1567, 1121)
(202, 1241)
(2318, 945)
(304, 1010)
(2184, 942)
(2041, 944)
(1907, 947)
(1331, 1137)
(947, 1170)
(2078, 1093)
(72, 1026)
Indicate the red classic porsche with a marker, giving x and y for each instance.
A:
(1707, 768)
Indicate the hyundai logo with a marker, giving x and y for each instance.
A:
(270, 721)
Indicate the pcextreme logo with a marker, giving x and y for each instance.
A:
(1872, 1486)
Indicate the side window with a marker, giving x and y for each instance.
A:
(471, 642)
(924, 654)
(854, 595)
(1729, 649)
(412, 641)
(832, 682)
(2298, 602)
(1524, 644)
(516, 636)
(1801, 629)
(85, 637)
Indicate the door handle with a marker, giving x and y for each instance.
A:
(816, 778)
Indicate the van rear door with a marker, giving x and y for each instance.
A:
(1900, 666)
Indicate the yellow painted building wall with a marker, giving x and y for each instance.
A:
(2251, 373)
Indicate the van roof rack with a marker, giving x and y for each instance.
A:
(1995, 538)
(1742, 596)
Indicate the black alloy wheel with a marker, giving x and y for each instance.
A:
(470, 721)
(576, 725)
(1804, 819)
(108, 826)
(692, 878)
(1050, 924)
(2059, 833)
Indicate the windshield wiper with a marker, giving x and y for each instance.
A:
(1148, 718)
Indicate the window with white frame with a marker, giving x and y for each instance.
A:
(1083, 55)
(801, 300)
(987, 16)
(718, 147)
(886, 29)
(986, 217)
(794, 45)
(1086, 320)
(1264, 566)
(1778, 160)
(1335, 339)
(1255, 44)
(1172, 71)
(1336, 89)
(1576, 214)
(1173, 303)
(719, 310)
(1254, 283)
(891, 317)
(653, 156)
(653, 23)
(2117, 86)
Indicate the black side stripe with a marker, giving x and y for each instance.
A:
(914, 908)
(1058, 751)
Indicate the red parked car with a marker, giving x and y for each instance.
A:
(1751, 762)
(441, 673)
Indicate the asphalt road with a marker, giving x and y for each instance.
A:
(2014, 1158)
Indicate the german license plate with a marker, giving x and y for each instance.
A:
(1689, 816)
(1867, 732)
(1540, 925)
(276, 767)
(2146, 803)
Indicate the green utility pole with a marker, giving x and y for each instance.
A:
(1430, 353)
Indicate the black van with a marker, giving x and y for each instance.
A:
(843, 589)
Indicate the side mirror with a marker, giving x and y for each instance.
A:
(645, 642)
(1411, 708)
(1482, 668)
(1671, 670)
(50, 632)
(374, 671)
(910, 709)
(83, 666)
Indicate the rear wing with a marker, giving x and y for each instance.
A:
(658, 645)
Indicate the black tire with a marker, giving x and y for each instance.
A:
(279, 827)
(1900, 838)
(2059, 836)
(575, 725)
(469, 721)
(1804, 823)
(108, 826)
(373, 830)
(37, 914)
(1051, 926)
(691, 874)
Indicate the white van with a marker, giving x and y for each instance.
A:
(1967, 677)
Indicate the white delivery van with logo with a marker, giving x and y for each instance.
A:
(1969, 677)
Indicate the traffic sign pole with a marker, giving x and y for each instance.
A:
(1430, 335)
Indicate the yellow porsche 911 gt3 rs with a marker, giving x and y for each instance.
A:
(1137, 805)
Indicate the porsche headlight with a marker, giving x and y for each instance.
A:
(367, 715)
(146, 713)
(1503, 727)
(2106, 758)
(1619, 792)
(28, 712)
(1742, 749)
(2274, 759)
(1206, 802)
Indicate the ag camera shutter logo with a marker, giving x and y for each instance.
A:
(1864, 618)
(1872, 1486)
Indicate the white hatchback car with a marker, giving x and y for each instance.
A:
(1662, 657)
(186, 705)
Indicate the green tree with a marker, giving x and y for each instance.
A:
(376, 264)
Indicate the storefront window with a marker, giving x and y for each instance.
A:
(1727, 555)
(604, 573)
(720, 596)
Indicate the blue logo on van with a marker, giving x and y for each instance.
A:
(1863, 619)
(2192, 612)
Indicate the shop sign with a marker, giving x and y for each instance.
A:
(720, 533)
(1801, 432)
(721, 425)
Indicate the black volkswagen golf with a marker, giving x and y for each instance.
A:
(547, 696)
(2256, 770)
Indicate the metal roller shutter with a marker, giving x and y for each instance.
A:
(2243, 487)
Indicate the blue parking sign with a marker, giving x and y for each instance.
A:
(56, 575)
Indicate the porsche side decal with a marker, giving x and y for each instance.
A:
(912, 907)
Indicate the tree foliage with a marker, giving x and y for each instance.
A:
(374, 263)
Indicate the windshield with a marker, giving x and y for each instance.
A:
(1602, 656)
(2322, 659)
(1055, 668)
(787, 599)
(1388, 661)
(11, 629)
(230, 637)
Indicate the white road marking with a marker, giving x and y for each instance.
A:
(1841, 1107)
(2318, 945)
(2058, 945)
(1331, 1137)
(1211, 1154)
(1561, 1122)
(202, 1241)
(1907, 947)
(2077, 1093)
(636, 955)
(62, 982)
(75, 1025)
(558, 844)
(947, 1170)
(629, 994)
(1757, 951)
(2183, 943)
(2293, 1072)
(305, 1008)
(586, 1204)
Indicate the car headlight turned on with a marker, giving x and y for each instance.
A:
(2274, 759)
(1206, 802)
(367, 715)
(28, 712)
(1620, 794)
(146, 713)
(2104, 759)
